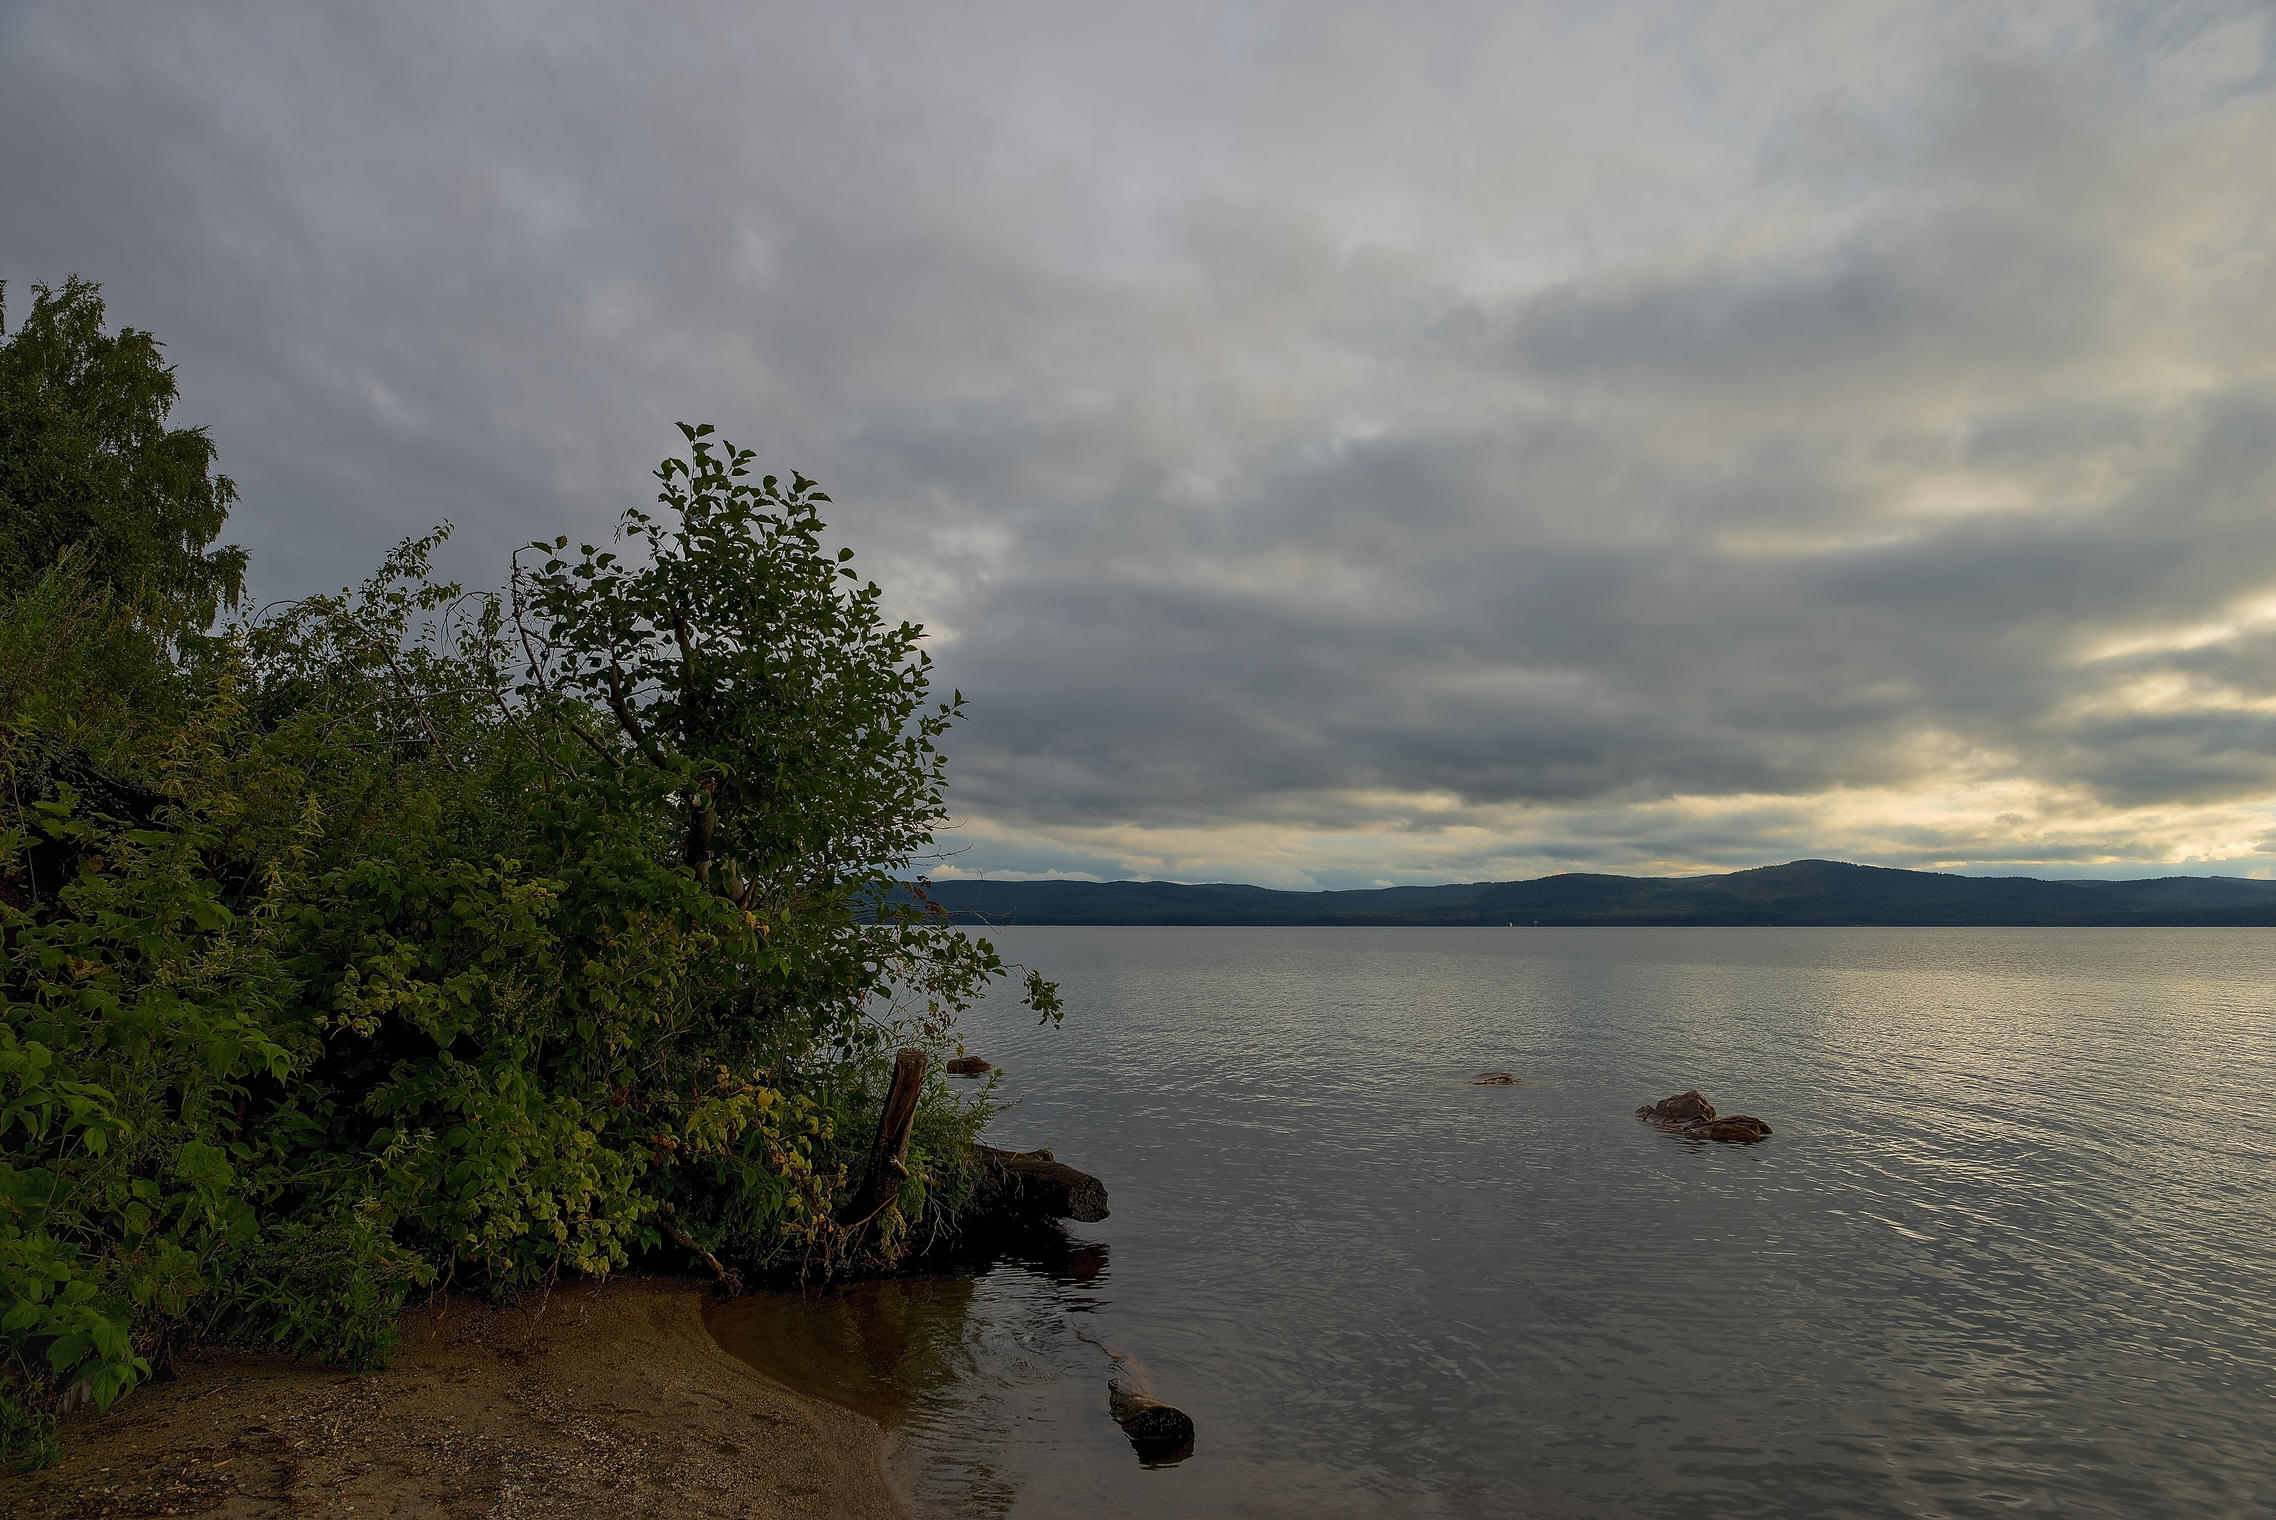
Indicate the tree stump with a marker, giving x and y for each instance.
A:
(889, 1152)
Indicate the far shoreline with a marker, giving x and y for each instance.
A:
(1818, 894)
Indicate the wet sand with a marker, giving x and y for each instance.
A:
(607, 1400)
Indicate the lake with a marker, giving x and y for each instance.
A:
(2011, 1250)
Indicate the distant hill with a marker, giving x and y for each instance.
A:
(1804, 892)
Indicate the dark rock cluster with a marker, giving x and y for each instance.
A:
(1690, 1114)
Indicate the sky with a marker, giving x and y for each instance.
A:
(1329, 444)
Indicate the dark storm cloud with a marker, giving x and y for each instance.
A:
(1327, 447)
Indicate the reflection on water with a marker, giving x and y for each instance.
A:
(2009, 1252)
(963, 1370)
(876, 1347)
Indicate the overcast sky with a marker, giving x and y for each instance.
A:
(1329, 444)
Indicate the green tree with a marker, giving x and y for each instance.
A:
(758, 704)
(88, 462)
(750, 674)
(421, 938)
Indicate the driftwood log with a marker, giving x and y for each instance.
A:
(1160, 1431)
(889, 1152)
(1033, 1185)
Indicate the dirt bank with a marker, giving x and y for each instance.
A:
(609, 1400)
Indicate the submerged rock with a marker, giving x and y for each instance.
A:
(969, 1066)
(1744, 1129)
(1685, 1108)
(1690, 1114)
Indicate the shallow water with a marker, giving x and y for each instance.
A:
(2012, 1250)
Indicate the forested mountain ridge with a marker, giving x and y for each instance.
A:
(1802, 892)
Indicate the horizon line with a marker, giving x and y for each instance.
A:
(1962, 873)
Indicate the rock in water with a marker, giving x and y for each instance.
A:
(1742, 1128)
(969, 1066)
(1678, 1112)
(1159, 1431)
(1690, 1114)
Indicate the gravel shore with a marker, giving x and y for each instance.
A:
(606, 1400)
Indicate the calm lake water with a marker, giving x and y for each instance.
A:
(2012, 1250)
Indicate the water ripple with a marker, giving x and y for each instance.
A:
(2008, 1253)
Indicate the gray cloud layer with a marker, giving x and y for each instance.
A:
(1330, 444)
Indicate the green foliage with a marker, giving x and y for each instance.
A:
(409, 938)
(75, 662)
(759, 695)
(137, 1014)
(87, 461)
(744, 662)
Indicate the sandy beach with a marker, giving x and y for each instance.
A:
(606, 1400)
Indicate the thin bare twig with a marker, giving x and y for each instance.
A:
(732, 1281)
(499, 697)
(593, 741)
(624, 716)
(521, 625)
(420, 707)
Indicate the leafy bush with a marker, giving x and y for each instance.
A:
(408, 938)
